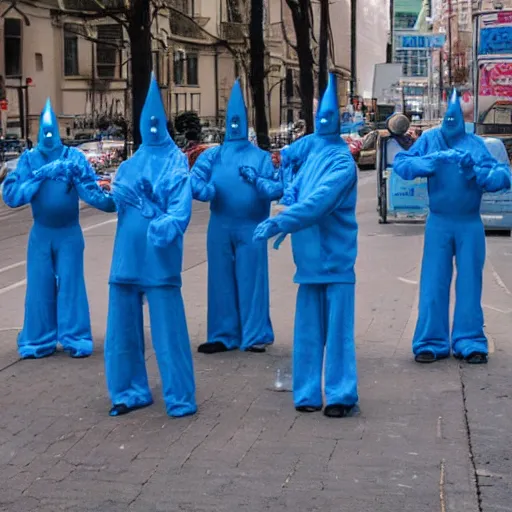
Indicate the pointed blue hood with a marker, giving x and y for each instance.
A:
(328, 114)
(237, 127)
(49, 137)
(153, 120)
(453, 126)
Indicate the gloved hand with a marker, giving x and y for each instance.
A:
(150, 203)
(450, 156)
(60, 170)
(267, 229)
(161, 232)
(248, 174)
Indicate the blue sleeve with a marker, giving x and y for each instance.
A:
(86, 184)
(267, 186)
(202, 189)
(293, 156)
(330, 192)
(164, 229)
(491, 174)
(21, 185)
(417, 162)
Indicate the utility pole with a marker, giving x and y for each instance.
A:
(450, 12)
(389, 49)
(353, 49)
(324, 47)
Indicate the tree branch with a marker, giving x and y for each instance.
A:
(107, 12)
(287, 39)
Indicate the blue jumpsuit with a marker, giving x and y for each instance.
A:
(154, 201)
(238, 289)
(52, 179)
(322, 219)
(454, 229)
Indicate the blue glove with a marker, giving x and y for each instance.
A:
(162, 231)
(150, 203)
(267, 229)
(248, 174)
(58, 170)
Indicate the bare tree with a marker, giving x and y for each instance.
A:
(257, 72)
(324, 47)
(136, 17)
(302, 17)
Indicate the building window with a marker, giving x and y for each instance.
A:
(289, 84)
(185, 6)
(39, 62)
(70, 50)
(179, 68)
(415, 62)
(108, 50)
(12, 45)
(192, 72)
(180, 102)
(195, 100)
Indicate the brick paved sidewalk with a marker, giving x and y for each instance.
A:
(247, 448)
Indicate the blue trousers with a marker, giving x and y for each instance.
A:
(125, 365)
(446, 238)
(324, 340)
(56, 307)
(238, 290)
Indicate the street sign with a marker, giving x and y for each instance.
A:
(422, 41)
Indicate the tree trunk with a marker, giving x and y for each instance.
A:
(302, 25)
(257, 73)
(139, 32)
(324, 47)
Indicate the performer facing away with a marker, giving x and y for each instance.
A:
(52, 178)
(322, 219)
(238, 290)
(459, 169)
(154, 204)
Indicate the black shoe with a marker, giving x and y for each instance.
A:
(212, 348)
(121, 409)
(338, 410)
(258, 349)
(429, 356)
(308, 408)
(474, 358)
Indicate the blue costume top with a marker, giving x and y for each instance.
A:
(154, 199)
(322, 201)
(459, 166)
(459, 169)
(216, 173)
(52, 177)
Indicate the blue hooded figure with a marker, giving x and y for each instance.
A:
(154, 203)
(52, 178)
(321, 216)
(459, 169)
(238, 290)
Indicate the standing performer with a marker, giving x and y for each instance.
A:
(321, 216)
(459, 169)
(52, 178)
(238, 291)
(154, 203)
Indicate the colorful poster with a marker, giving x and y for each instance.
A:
(496, 79)
(496, 40)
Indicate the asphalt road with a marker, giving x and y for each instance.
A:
(428, 439)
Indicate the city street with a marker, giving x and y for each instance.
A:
(429, 438)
